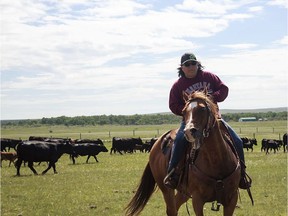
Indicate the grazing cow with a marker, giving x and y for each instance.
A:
(125, 144)
(10, 156)
(9, 143)
(248, 143)
(38, 151)
(89, 149)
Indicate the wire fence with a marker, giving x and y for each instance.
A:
(250, 132)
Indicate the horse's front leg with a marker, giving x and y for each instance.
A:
(180, 199)
(198, 205)
(229, 209)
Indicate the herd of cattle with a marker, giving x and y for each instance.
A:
(39, 149)
(267, 145)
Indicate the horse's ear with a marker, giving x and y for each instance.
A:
(185, 96)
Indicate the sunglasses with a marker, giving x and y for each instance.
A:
(187, 64)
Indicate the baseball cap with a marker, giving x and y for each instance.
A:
(188, 57)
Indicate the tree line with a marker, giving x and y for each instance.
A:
(145, 119)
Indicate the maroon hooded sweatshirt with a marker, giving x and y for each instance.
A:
(216, 88)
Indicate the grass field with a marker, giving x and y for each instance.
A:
(106, 187)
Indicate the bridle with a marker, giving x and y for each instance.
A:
(197, 134)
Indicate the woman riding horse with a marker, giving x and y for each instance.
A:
(210, 170)
(193, 78)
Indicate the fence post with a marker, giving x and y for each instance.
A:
(109, 134)
(80, 136)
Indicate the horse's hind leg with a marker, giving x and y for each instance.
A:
(169, 197)
(171, 209)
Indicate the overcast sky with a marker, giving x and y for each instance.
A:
(73, 58)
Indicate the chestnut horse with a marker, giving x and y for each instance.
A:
(211, 168)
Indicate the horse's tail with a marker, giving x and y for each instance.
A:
(144, 191)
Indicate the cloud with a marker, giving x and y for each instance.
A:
(255, 9)
(282, 3)
(239, 46)
(92, 57)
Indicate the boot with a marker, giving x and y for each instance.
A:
(245, 181)
(171, 180)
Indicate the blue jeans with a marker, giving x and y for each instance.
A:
(178, 148)
(180, 143)
(238, 143)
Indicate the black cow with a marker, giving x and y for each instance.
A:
(248, 143)
(37, 138)
(9, 143)
(38, 151)
(89, 149)
(271, 144)
(149, 144)
(285, 142)
(124, 144)
(264, 144)
(96, 141)
(52, 140)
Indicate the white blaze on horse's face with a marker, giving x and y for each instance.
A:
(189, 121)
(193, 104)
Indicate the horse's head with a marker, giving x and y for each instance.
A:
(199, 115)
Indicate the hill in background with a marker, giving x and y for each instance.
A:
(145, 119)
(264, 110)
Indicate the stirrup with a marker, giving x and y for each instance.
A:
(245, 182)
(169, 174)
(171, 179)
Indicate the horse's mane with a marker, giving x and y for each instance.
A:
(202, 95)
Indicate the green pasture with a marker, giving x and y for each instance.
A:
(257, 129)
(106, 187)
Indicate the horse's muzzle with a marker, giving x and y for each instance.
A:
(192, 133)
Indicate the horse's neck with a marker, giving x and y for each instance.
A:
(215, 151)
